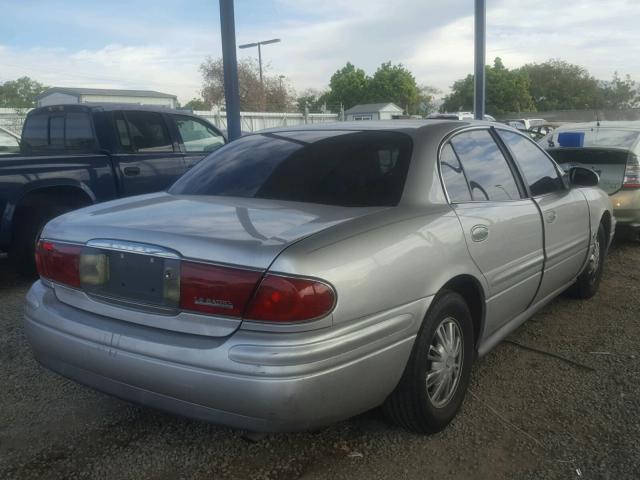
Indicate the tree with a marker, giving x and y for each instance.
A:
(314, 100)
(197, 104)
(20, 93)
(427, 99)
(559, 85)
(394, 83)
(620, 93)
(507, 91)
(348, 86)
(274, 96)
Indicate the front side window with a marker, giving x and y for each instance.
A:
(539, 171)
(147, 133)
(197, 136)
(453, 176)
(355, 169)
(486, 168)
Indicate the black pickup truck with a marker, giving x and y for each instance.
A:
(72, 156)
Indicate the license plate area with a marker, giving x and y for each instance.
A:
(135, 278)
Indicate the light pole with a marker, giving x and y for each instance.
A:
(230, 66)
(480, 53)
(259, 45)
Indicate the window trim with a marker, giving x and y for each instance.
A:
(524, 192)
(559, 171)
(181, 145)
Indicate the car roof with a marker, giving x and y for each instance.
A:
(110, 107)
(406, 126)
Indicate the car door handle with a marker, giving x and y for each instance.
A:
(479, 233)
(131, 171)
(550, 216)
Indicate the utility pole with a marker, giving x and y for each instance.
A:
(259, 45)
(480, 54)
(230, 66)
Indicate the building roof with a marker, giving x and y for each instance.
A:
(106, 92)
(373, 107)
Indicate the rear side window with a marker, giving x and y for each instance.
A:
(453, 176)
(147, 133)
(197, 136)
(486, 168)
(539, 171)
(69, 131)
(356, 169)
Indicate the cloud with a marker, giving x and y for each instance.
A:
(434, 39)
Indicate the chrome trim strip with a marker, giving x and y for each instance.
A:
(132, 247)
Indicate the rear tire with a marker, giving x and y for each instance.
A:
(416, 404)
(26, 234)
(588, 281)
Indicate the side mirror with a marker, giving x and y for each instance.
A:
(583, 177)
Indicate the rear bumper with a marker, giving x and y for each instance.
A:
(626, 208)
(250, 380)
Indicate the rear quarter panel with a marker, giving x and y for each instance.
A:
(384, 260)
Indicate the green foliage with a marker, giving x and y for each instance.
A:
(620, 93)
(394, 83)
(506, 90)
(315, 101)
(197, 104)
(559, 85)
(348, 87)
(351, 86)
(20, 93)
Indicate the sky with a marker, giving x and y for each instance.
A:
(159, 44)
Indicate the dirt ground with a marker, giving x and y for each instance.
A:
(528, 414)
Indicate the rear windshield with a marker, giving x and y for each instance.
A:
(593, 137)
(357, 169)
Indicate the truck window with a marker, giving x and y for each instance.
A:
(197, 136)
(44, 132)
(78, 132)
(147, 133)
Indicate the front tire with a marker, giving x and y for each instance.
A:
(588, 281)
(435, 380)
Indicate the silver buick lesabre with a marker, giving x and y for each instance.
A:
(300, 276)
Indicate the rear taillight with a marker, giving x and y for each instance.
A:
(218, 290)
(59, 262)
(290, 299)
(214, 289)
(631, 176)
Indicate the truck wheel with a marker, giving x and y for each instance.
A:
(22, 252)
(436, 377)
(588, 281)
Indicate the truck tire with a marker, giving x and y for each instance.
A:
(26, 234)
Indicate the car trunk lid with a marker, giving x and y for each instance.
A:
(133, 251)
(610, 164)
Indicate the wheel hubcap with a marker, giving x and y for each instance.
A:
(445, 362)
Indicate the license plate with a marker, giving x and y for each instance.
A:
(139, 278)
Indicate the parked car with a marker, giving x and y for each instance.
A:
(527, 123)
(612, 150)
(301, 276)
(9, 142)
(77, 155)
(458, 116)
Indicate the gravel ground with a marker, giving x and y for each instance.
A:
(528, 415)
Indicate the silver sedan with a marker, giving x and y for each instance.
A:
(297, 277)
